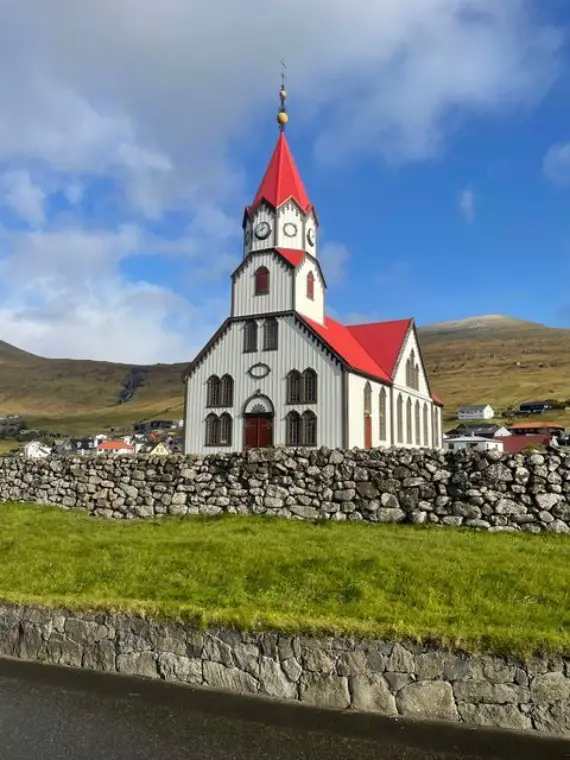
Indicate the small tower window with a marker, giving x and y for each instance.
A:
(270, 334)
(261, 281)
(311, 286)
(250, 336)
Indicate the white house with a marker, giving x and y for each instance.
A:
(36, 450)
(502, 432)
(279, 371)
(475, 412)
(472, 442)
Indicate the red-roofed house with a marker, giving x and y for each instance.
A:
(115, 447)
(279, 371)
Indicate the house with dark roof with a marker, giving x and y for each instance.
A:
(279, 371)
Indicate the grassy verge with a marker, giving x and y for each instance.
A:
(481, 592)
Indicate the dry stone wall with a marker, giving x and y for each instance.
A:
(484, 490)
(393, 679)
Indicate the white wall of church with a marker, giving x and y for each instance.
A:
(356, 386)
(314, 309)
(280, 296)
(297, 350)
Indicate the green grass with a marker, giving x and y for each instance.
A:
(476, 591)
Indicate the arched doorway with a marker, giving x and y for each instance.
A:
(258, 415)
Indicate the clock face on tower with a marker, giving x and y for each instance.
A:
(290, 229)
(311, 236)
(263, 230)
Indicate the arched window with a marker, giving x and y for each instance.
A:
(270, 334)
(426, 425)
(250, 336)
(311, 286)
(213, 392)
(293, 429)
(400, 418)
(261, 281)
(417, 377)
(225, 438)
(309, 426)
(227, 391)
(408, 372)
(309, 387)
(435, 418)
(417, 420)
(409, 420)
(294, 387)
(382, 415)
(367, 399)
(212, 430)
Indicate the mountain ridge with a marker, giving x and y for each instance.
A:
(494, 359)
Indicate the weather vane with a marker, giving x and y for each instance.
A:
(282, 116)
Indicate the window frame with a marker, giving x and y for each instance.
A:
(262, 281)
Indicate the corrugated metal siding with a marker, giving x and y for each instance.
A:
(287, 213)
(263, 214)
(297, 350)
(280, 296)
(314, 309)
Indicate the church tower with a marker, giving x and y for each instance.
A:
(281, 225)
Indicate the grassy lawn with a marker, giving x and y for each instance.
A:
(483, 592)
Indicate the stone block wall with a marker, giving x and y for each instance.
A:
(484, 490)
(393, 679)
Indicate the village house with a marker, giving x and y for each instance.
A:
(472, 442)
(115, 447)
(279, 371)
(475, 412)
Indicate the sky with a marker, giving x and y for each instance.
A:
(433, 137)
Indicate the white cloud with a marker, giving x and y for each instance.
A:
(154, 98)
(334, 257)
(26, 200)
(557, 164)
(67, 298)
(467, 204)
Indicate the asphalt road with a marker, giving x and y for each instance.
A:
(49, 713)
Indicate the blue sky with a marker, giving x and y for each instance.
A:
(433, 137)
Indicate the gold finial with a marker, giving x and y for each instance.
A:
(282, 116)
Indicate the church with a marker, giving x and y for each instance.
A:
(279, 372)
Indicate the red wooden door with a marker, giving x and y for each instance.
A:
(367, 431)
(258, 432)
(265, 436)
(251, 428)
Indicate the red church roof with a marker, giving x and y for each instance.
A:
(372, 349)
(340, 339)
(382, 340)
(282, 179)
(291, 255)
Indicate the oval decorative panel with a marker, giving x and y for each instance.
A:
(259, 370)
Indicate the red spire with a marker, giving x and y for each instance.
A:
(282, 179)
